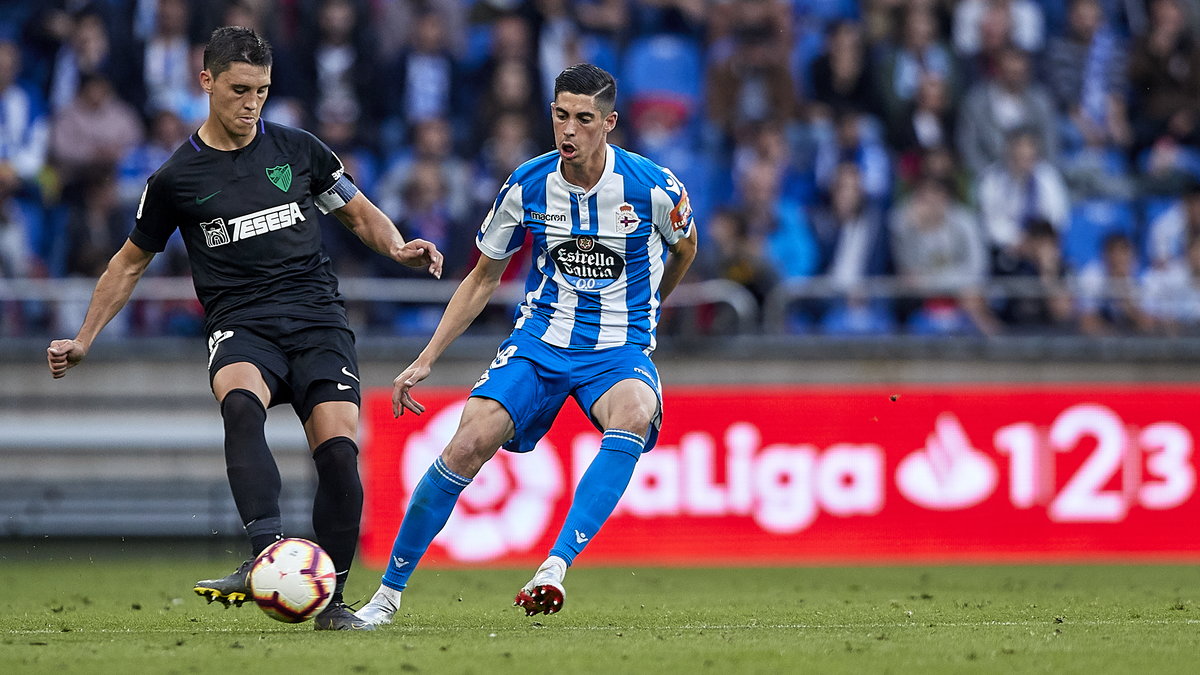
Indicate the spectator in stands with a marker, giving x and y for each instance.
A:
(995, 34)
(139, 161)
(941, 260)
(423, 75)
(1086, 72)
(973, 18)
(427, 215)
(166, 58)
(431, 144)
(20, 223)
(851, 237)
(916, 52)
(753, 83)
(1168, 233)
(927, 122)
(684, 17)
(1015, 192)
(509, 143)
(941, 163)
(336, 71)
(24, 128)
(852, 242)
(1037, 296)
(88, 51)
(840, 77)
(1108, 292)
(735, 254)
(511, 89)
(96, 228)
(853, 138)
(768, 142)
(18, 258)
(511, 39)
(95, 130)
(780, 223)
(1171, 294)
(993, 108)
(1164, 71)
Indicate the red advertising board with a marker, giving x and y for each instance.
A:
(782, 475)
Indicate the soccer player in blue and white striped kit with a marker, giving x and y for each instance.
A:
(612, 234)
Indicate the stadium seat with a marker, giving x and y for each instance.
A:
(940, 317)
(1091, 221)
(872, 318)
(665, 69)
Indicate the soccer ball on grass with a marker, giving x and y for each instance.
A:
(292, 580)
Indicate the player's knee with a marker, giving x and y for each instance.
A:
(337, 469)
(636, 420)
(242, 411)
(466, 455)
(339, 450)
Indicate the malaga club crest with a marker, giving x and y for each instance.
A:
(280, 176)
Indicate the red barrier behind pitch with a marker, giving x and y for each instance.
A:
(770, 475)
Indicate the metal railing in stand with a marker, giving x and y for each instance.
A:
(740, 302)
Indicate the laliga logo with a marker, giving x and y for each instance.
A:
(508, 506)
(947, 473)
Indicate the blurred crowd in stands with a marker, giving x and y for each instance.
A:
(974, 167)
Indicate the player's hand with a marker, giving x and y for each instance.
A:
(419, 253)
(401, 386)
(63, 355)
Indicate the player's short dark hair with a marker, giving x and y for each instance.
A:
(587, 79)
(230, 44)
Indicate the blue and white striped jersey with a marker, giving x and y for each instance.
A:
(598, 255)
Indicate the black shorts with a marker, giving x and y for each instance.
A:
(302, 364)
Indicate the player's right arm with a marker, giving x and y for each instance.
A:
(111, 294)
(468, 301)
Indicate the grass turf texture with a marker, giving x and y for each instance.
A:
(138, 614)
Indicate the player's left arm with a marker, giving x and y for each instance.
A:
(376, 230)
(683, 252)
(673, 219)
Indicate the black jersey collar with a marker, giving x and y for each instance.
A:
(198, 143)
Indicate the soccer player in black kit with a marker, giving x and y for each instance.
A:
(245, 194)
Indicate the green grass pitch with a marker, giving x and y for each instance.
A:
(82, 611)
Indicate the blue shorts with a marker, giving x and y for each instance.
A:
(532, 380)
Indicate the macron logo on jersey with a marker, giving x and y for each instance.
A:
(538, 216)
(251, 225)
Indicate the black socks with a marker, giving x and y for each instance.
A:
(253, 475)
(337, 507)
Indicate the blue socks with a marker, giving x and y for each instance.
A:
(427, 513)
(598, 492)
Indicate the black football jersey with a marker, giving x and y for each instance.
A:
(249, 222)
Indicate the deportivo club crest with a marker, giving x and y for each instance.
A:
(627, 220)
(281, 176)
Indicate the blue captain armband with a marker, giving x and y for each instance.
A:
(337, 196)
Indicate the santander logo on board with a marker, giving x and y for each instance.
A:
(948, 473)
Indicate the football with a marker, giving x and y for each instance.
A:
(292, 580)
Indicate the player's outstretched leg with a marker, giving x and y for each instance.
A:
(255, 482)
(337, 510)
(432, 502)
(597, 495)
